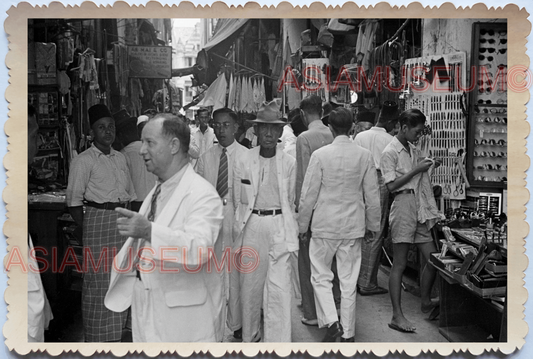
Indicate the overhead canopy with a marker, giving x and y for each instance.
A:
(225, 33)
(224, 29)
(338, 26)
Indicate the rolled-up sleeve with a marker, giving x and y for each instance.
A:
(388, 164)
(78, 179)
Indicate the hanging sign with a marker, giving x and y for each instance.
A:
(152, 62)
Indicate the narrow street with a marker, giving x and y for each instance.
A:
(373, 315)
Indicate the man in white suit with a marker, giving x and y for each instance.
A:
(173, 288)
(216, 166)
(340, 193)
(266, 230)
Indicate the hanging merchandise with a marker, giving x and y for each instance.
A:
(238, 89)
(216, 94)
(220, 94)
(249, 97)
(120, 61)
(244, 97)
(88, 73)
(365, 40)
(64, 82)
(277, 67)
(293, 97)
(262, 92)
(65, 52)
(256, 94)
(231, 92)
(136, 94)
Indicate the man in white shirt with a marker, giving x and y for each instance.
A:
(143, 181)
(375, 140)
(403, 167)
(204, 137)
(219, 172)
(340, 193)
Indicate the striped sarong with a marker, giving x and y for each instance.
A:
(101, 241)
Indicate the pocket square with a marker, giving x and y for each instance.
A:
(245, 181)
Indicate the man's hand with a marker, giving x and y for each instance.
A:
(133, 224)
(371, 236)
(424, 165)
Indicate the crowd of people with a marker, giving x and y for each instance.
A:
(217, 233)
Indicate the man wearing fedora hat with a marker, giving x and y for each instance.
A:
(375, 140)
(99, 178)
(265, 225)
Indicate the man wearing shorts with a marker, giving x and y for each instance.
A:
(402, 167)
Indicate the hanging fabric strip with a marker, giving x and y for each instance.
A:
(231, 92)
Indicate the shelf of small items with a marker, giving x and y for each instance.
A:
(490, 144)
(487, 138)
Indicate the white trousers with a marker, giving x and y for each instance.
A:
(268, 285)
(348, 254)
(225, 241)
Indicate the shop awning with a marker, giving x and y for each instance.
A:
(225, 33)
(338, 26)
(225, 28)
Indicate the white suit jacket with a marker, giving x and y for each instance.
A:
(340, 192)
(245, 189)
(191, 219)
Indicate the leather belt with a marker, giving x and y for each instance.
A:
(405, 191)
(109, 205)
(267, 212)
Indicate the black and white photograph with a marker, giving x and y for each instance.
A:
(270, 180)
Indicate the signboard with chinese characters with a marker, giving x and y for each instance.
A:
(154, 62)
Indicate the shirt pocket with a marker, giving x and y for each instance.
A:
(186, 298)
(245, 187)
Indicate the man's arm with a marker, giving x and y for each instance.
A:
(310, 191)
(237, 175)
(77, 214)
(388, 164)
(303, 154)
(371, 197)
(78, 181)
(194, 149)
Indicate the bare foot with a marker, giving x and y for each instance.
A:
(402, 325)
(428, 307)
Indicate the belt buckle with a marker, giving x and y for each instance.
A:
(260, 213)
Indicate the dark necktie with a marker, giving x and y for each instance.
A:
(153, 206)
(222, 181)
